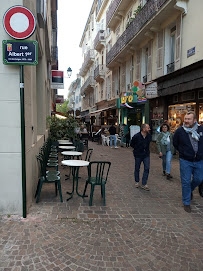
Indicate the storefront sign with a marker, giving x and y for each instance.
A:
(57, 79)
(59, 99)
(151, 90)
(20, 52)
(191, 52)
(127, 99)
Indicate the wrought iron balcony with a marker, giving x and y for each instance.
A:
(144, 79)
(99, 73)
(111, 10)
(89, 59)
(150, 9)
(54, 53)
(170, 67)
(99, 41)
(88, 85)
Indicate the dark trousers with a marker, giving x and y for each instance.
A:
(146, 162)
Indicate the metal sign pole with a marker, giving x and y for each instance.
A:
(23, 139)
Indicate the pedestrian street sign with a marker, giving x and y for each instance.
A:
(20, 52)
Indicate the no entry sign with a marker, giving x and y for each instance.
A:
(19, 22)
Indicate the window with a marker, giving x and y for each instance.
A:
(118, 32)
(172, 44)
(102, 89)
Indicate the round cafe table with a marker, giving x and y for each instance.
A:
(67, 147)
(63, 141)
(75, 165)
(66, 143)
(71, 155)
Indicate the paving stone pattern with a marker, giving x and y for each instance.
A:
(136, 230)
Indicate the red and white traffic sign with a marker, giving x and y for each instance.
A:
(19, 22)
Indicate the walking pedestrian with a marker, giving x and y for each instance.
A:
(140, 143)
(166, 149)
(127, 139)
(188, 140)
(112, 131)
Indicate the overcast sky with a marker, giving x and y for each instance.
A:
(72, 17)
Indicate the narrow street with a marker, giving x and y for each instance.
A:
(137, 230)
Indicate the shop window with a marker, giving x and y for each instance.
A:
(201, 113)
(188, 96)
(177, 112)
(200, 94)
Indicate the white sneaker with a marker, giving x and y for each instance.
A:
(111, 147)
(145, 187)
(137, 185)
(116, 147)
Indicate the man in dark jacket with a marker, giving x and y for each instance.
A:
(140, 142)
(112, 132)
(188, 140)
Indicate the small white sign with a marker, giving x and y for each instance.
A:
(21, 85)
(151, 90)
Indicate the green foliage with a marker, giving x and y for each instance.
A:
(62, 128)
(63, 108)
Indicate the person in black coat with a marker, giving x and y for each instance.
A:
(188, 140)
(140, 143)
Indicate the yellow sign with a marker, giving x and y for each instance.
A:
(126, 99)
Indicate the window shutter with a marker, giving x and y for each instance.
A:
(138, 65)
(160, 52)
(149, 62)
(123, 78)
(178, 43)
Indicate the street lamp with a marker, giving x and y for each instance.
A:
(69, 72)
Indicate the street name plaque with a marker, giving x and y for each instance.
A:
(20, 52)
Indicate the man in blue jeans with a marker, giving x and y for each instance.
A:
(188, 140)
(140, 142)
(112, 131)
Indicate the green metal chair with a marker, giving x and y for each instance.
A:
(88, 155)
(47, 177)
(97, 175)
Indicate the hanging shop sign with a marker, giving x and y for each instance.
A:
(139, 90)
(19, 22)
(20, 52)
(59, 99)
(151, 90)
(57, 79)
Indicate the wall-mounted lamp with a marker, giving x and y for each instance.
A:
(69, 72)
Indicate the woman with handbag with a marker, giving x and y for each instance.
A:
(165, 148)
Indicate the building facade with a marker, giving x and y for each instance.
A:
(74, 96)
(38, 104)
(153, 59)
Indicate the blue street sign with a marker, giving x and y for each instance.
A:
(20, 52)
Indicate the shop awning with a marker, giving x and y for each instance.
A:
(98, 112)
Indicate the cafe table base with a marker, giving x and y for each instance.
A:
(75, 165)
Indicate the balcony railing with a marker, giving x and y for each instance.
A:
(144, 79)
(89, 59)
(89, 83)
(99, 72)
(112, 8)
(145, 14)
(99, 40)
(170, 67)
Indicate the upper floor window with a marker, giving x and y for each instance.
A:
(118, 32)
(172, 44)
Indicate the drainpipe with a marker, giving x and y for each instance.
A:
(23, 140)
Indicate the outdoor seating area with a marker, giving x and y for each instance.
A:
(71, 157)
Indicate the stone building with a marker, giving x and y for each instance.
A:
(153, 59)
(39, 100)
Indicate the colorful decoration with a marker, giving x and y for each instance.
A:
(139, 89)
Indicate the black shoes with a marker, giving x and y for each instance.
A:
(187, 208)
(168, 176)
(164, 173)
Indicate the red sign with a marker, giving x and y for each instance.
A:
(57, 79)
(19, 22)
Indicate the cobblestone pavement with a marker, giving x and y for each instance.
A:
(137, 230)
